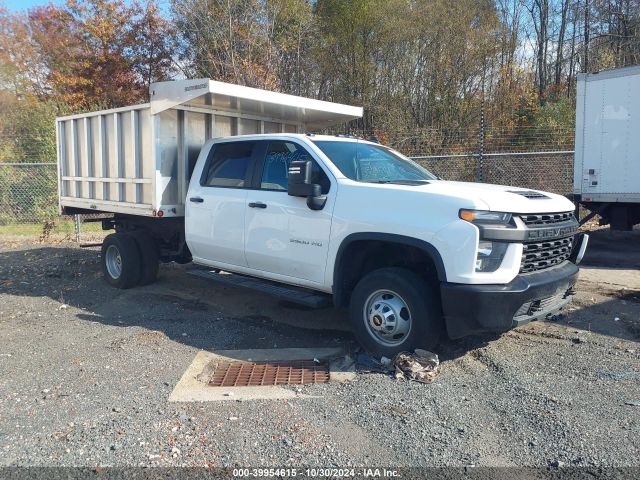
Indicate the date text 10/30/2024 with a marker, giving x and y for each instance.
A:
(315, 472)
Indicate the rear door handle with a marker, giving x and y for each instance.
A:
(257, 205)
(196, 199)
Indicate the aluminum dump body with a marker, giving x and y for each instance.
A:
(138, 160)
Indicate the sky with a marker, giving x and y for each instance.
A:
(17, 5)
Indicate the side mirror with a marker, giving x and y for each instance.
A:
(299, 184)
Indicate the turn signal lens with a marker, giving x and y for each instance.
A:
(485, 217)
(468, 215)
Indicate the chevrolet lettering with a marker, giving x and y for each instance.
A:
(551, 232)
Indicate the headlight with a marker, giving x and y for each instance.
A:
(490, 255)
(485, 217)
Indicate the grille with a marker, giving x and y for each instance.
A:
(541, 305)
(247, 374)
(529, 194)
(541, 255)
(546, 218)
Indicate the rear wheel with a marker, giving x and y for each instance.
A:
(149, 256)
(620, 218)
(120, 260)
(394, 310)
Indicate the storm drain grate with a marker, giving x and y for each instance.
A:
(252, 374)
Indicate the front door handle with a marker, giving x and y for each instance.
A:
(257, 205)
(196, 199)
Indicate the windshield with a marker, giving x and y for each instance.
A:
(364, 162)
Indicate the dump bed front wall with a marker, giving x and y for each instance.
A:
(607, 166)
(129, 161)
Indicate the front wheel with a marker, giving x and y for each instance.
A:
(394, 310)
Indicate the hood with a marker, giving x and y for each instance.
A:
(485, 196)
(502, 198)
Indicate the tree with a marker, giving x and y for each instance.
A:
(539, 10)
(292, 33)
(613, 30)
(84, 47)
(564, 16)
(226, 40)
(87, 52)
(21, 69)
(153, 46)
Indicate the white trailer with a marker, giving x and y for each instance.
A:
(137, 160)
(607, 146)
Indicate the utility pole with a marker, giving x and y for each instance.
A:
(481, 134)
(585, 67)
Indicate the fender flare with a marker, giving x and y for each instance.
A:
(431, 251)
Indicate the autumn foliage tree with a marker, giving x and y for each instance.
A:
(88, 53)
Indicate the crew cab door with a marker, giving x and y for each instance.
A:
(216, 204)
(283, 235)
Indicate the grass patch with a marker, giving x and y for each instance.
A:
(61, 226)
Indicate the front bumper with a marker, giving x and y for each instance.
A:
(470, 309)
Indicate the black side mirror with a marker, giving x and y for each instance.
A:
(299, 184)
(299, 181)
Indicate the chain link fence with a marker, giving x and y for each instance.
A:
(548, 171)
(487, 139)
(541, 160)
(28, 192)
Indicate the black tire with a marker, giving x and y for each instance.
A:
(620, 218)
(423, 310)
(149, 257)
(125, 246)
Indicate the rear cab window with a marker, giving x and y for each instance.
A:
(229, 165)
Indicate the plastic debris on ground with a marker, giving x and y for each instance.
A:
(420, 366)
(365, 363)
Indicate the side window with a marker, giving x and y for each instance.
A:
(228, 165)
(276, 166)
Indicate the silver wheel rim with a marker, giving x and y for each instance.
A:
(113, 261)
(387, 317)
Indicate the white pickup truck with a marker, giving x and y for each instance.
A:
(328, 220)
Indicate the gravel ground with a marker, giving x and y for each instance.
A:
(86, 370)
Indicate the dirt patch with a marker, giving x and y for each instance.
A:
(194, 305)
(154, 339)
